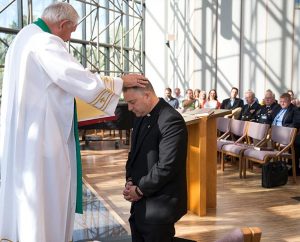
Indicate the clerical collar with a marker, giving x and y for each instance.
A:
(41, 23)
(155, 109)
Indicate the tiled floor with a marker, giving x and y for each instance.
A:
(97, 223)
(240, 202)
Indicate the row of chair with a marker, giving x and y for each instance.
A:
(247, 141)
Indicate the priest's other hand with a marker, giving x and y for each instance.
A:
(134, 80)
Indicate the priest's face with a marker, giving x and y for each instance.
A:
(138, 102)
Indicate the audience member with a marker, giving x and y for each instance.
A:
(197, 93)
(249, 110)
(294, 100)
(178, 96)
(270, 108)
(212, 101)
(255, 98)
(289, 116)
(232, 102)
(202, 99)
(190, 103)
(169, 99)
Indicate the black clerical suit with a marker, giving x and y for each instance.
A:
(266, 114)
(249, 112)
(226, 104)
(157, 165)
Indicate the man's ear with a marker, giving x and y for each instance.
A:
(62, 23)
(147, 94)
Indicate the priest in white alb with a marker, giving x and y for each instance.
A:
(39, 151)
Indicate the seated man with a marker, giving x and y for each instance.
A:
(250, 109)
(190, 103)
(267, 112)
(289, 116)
(171, 100)
(232, 102)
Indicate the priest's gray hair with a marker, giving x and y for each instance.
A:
(59, 11)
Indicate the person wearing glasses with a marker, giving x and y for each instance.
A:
(270, 108)
(39, 148)
(250, 109)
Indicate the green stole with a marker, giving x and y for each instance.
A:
(78, 209)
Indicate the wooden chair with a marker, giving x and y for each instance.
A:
(256, 136)
(223, 127)
(282, 139)
(223, 132)
(246, 234)
(237, 130)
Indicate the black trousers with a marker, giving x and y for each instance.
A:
(142, 232)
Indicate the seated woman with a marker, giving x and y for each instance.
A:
(202, 99)
(197, 93)
(212, 101)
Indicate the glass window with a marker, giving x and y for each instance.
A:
(79, 7)
(5, 41)
(9, 14)
(38, 7)
(108, 38)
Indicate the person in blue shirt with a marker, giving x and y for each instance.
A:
(232, 102)
(289, 116)
(171, 100)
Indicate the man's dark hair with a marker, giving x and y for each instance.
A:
(168, 89)
(234, 88)
(148, 87)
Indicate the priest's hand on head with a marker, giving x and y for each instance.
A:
(134, 80)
